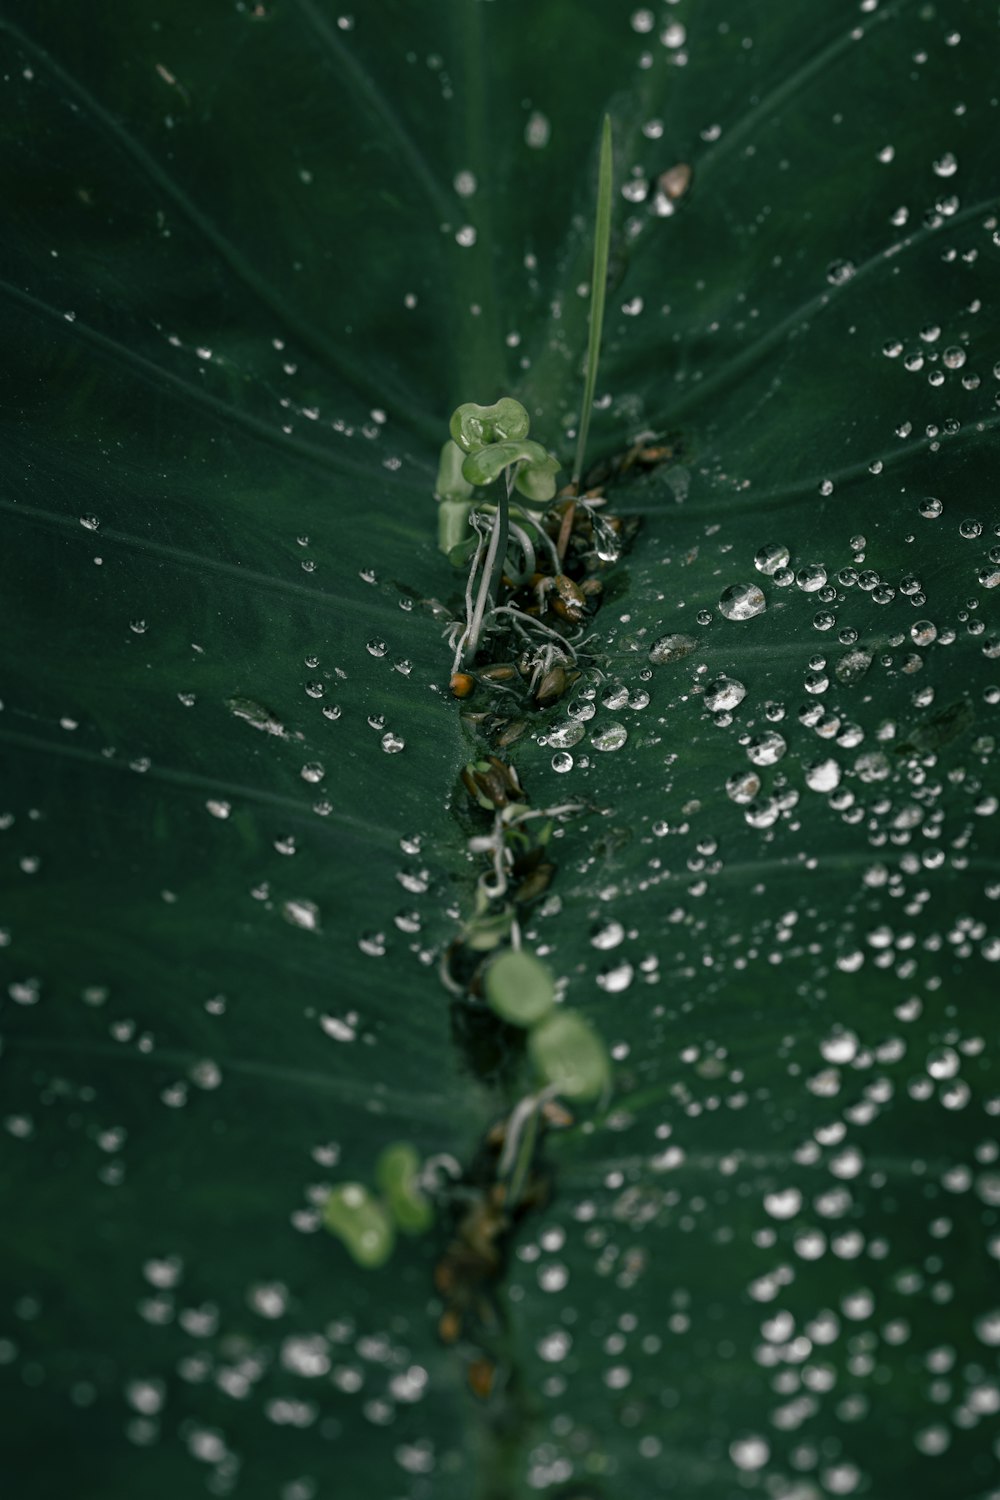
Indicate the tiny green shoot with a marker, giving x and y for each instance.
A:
(598, 291)
(519, 987)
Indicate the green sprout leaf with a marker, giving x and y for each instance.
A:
(474, 427)
(520, 988)
(397, 1175)
(361, 1223)
(537, 481)
(453, 527)
(569, 1054)
(485, 465)
(451, 484)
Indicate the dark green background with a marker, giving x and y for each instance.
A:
(214, 215)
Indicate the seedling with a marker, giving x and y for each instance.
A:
(489, 445)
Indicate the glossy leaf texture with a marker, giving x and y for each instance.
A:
(255, 256)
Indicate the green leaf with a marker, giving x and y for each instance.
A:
(598, 292)
(519, 987)
(476, 427)
(453, 527)
(361, 1223)
(570, 1056)
(486, 464)
(254, 256)
(451, 484)
(396, 1173)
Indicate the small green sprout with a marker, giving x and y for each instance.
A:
(366, 1225)
(361, 1223)
(397, 1173)
(474, 427)
(534, 476)
(570, 1056)
(520, 988)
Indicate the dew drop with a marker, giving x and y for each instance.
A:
(671, 648)
(767, 748)
(811, 577)
(771, 557)
(611, 737)
(823, 775)
(724, 694)
(565, 735)
(741, 601)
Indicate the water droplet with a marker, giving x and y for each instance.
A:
(811, 577)
(377, 648)
(392, 743)
(616, 697)
(671, 648)
(772, 557)
(562, 762)
(823, 775)
(838, 272)
(582, 709)
(930, 508)
(741, 601)
(767, 748)
(89, 523)
(946, 165)
(611, 737)
(565, 735)
(853, 665)
(970, 529)
(784, 1204)
(616, 979)
(743, 786)
(138, 626)
(954, 357)
(537, 131)
(724, 694)
(608, 935)
(301, 913)
(749, 1453)
(312, 771)
(840, 1048)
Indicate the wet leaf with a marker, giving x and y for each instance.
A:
(255, 255)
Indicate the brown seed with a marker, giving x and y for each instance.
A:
(449, 1326)
(567, 610)
(552, 685)
(462, 685)
(480, 1376)
(568, 591)
(675, 181)
(501, 672)
(511, 733)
